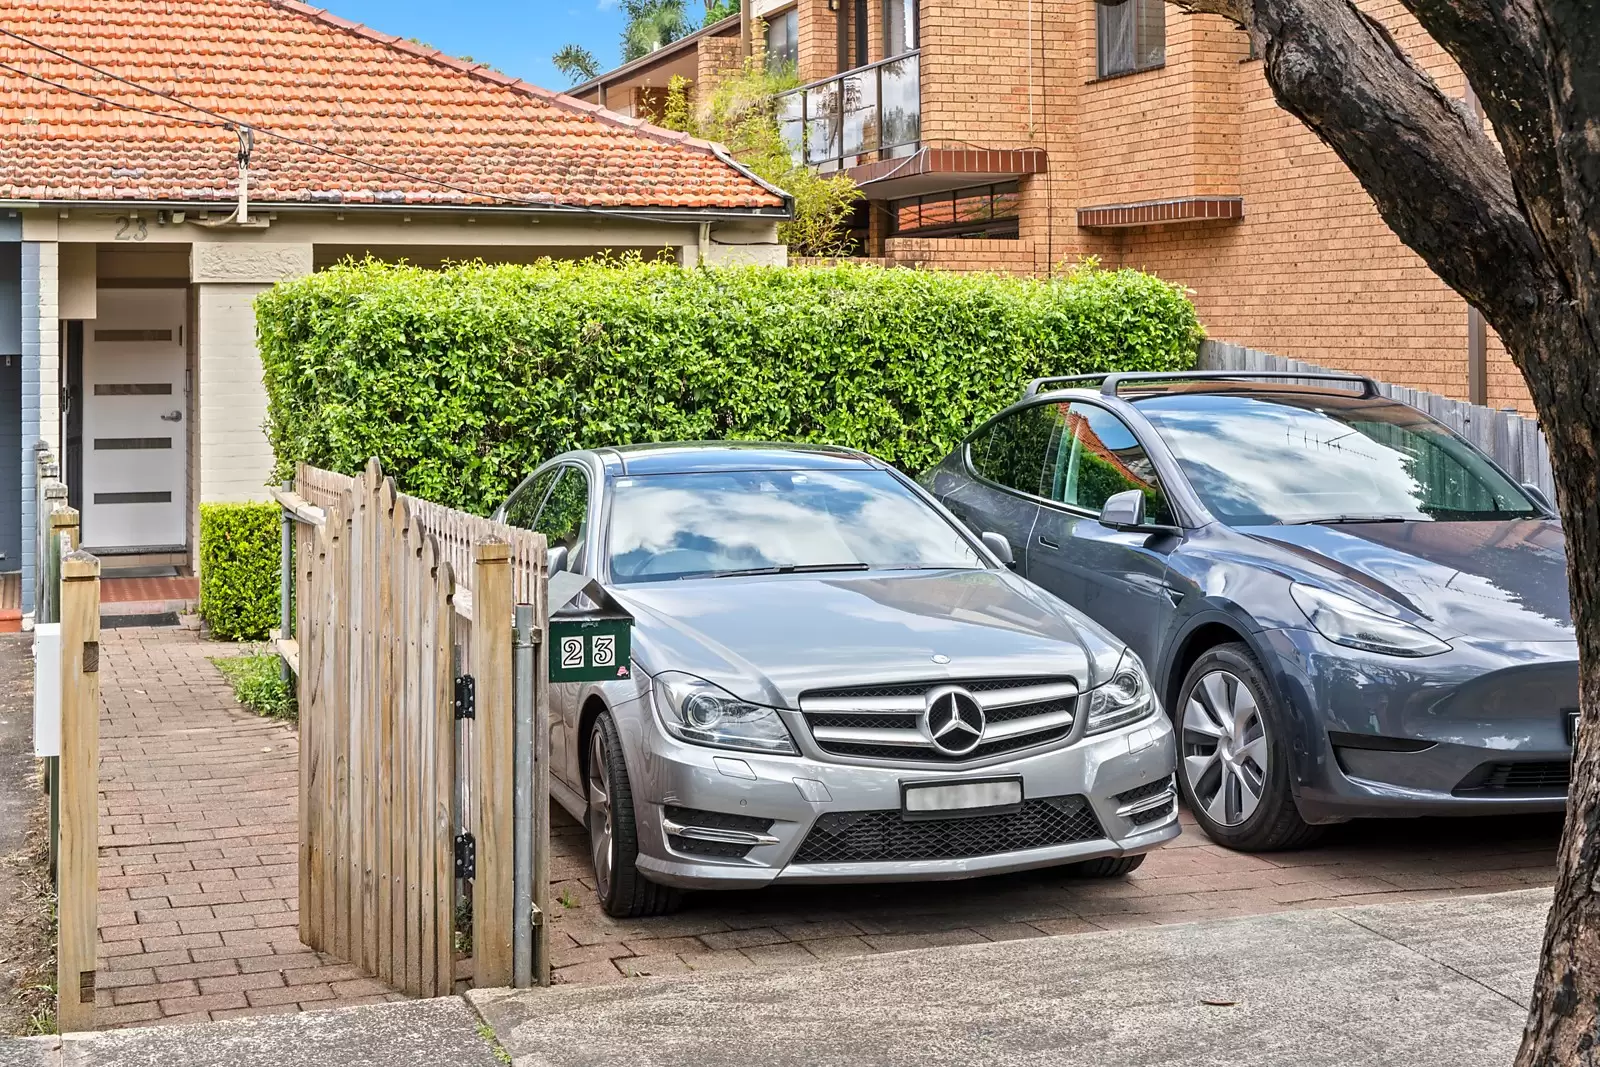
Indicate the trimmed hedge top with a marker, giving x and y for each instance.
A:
(462, 380)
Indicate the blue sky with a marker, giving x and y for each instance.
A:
(517, 36)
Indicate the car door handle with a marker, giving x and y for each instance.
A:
(1046, 542)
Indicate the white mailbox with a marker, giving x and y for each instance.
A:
(47, 689)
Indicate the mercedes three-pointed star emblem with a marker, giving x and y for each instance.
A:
(953, 720)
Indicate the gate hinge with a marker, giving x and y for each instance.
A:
(466, 697)
(466, 857)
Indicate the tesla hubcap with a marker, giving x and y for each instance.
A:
(600, 830)
(1224, 748)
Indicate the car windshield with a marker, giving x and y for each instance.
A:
(1266, 459)
(717, 523)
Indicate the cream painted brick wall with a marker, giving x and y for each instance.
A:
(235, 459)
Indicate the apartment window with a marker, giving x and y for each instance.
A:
(899, 27)
(988, 211)
(1130, 35)
(783, 40)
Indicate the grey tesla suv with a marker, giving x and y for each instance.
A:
(1348, 609)
(831, 681)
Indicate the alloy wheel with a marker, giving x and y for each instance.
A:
(1225, 748)
(601, 831)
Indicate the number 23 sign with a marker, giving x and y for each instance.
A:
(590, 650)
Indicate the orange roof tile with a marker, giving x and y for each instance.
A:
(418, 122)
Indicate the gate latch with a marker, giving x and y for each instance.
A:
(466, 857)
(466, 697)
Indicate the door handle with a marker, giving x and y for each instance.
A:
(1046, 542)
(172, 416)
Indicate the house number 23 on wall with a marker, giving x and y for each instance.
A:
(131, 228)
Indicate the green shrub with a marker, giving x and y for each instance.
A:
(257, 681)
(462, 380)
(239, 547)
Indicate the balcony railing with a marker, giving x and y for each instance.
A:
(870, 113)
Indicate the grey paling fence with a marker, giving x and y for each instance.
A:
(423, 763)
(1514, 442)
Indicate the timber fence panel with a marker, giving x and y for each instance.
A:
(390, 776)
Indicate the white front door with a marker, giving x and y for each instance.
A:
(135, 434)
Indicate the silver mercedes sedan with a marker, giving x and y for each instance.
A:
(830, 681)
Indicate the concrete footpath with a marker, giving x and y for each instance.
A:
(1438, 983)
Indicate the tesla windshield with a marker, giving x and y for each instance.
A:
(1266, 459)
(723, 523)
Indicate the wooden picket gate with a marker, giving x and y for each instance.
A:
(404, 623)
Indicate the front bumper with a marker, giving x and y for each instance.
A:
(795, 791)
(1486, 725)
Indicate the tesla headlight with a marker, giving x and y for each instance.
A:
(1125, 698)
(1346, 622)
(694, 710)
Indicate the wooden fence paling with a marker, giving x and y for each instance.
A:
(78, 878)
(493, 729)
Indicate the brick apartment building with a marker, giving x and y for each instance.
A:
(1022, 136)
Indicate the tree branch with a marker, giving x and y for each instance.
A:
(1502, 48)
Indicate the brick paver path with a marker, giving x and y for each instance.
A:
(199, 884)
(198, 846)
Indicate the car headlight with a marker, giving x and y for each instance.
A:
(1125, 698)
(1346, 622)
(694, 710)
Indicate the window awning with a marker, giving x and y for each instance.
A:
(938, 170)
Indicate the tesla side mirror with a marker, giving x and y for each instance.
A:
(556, 560)
(1539, 497)
(1001, 548)
(1124, 510)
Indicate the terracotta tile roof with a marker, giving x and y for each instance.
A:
(283, 66)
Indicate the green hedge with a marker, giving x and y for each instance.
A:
(461, 380)
(239, 548)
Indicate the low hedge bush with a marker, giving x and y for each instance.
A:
(239, 548)
(462, 380)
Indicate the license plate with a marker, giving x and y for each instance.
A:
(944, 800)
(1569, 717)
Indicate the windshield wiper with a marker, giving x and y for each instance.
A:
(1335, 520)
(782, 568)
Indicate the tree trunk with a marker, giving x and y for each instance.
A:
(1513, 225)
(1564, 1022)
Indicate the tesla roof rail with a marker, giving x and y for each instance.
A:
(1112, 381)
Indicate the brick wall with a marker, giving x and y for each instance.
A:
(1311, 272)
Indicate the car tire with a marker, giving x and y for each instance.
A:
(624, 891)
(1233, 754)
(1107, 867)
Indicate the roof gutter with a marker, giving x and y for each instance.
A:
(665, 215)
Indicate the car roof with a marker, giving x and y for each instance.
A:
(686, 457)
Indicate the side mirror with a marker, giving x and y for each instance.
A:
(1124, 510)
(1539, 497)
(1000, 547)
(555, 560)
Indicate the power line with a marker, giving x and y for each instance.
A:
(107, 101)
